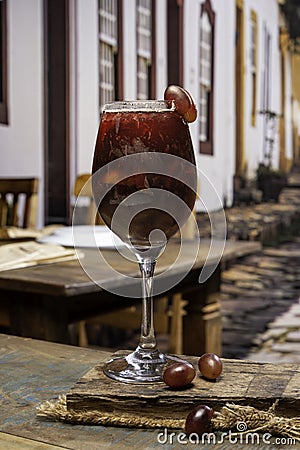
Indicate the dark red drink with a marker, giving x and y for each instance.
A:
(150, 190)
(144, 184)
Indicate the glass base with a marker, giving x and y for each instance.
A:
(141, 366)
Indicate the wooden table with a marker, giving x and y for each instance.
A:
(33, 371)
(42, 300)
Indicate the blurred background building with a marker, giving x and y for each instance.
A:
(61, 60)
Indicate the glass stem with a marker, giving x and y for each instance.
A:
(147, 339)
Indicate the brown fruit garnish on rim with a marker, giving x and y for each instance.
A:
(183, 101)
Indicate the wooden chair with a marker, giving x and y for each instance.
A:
(168, 312)
(15, 210)
(83, 188)
(18, 207)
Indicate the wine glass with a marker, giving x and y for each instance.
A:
(144, 184)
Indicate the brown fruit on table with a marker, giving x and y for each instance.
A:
(199, 420)
(179, 375)
(210, 366)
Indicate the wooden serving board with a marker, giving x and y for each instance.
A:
(241, 382)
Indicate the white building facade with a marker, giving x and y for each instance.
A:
(227, 54)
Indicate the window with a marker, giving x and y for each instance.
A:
(109, 51)
(144, 48)
(3, 62)
(268, 115)
(253, 65)
(266, 70)
(206, 71)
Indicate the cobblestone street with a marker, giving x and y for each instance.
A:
(260, 306)
(260, 293)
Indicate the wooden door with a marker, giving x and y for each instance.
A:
(175, 41)
(56, 50)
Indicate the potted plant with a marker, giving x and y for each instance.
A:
(270, 182)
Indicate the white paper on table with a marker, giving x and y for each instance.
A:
(84, 236)
(25, 254)
(17, 233)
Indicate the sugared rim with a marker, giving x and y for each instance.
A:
(139, 106)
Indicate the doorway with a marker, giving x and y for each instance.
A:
(175, 41)
(56, 88)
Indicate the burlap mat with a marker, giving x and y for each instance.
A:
(230, 417)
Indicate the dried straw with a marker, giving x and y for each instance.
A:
(228, 418)
(57, 411)
(255, 420)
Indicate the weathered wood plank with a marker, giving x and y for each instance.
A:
(68, 278)
(241, 382)
(9, 442)
(292, 389)
(33, 371)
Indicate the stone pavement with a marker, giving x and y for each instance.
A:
(281, 341)
(260, 305)
(260, 293)
(263, 221)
